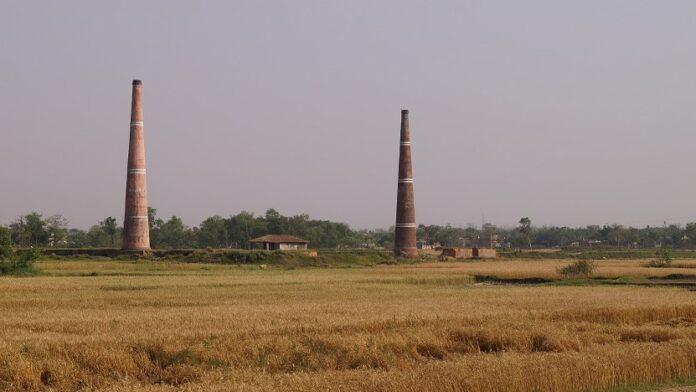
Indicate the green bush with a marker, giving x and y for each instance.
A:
(663, 259)
(21, 263)
(582, 267)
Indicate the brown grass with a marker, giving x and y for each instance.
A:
(548, 269)
(406, 328)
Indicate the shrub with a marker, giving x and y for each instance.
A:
(10, 263)
(20, 264)
(663, 260)
(581, 267)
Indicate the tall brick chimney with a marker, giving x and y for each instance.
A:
(405, 230)
(136, 231)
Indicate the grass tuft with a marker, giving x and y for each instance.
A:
(579, 268)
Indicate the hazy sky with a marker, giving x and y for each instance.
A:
(570, 112)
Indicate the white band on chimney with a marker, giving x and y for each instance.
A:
(136, 171)
(138, 216)
(405, 143)
(405, 180)
(406, 225)
(136, 123)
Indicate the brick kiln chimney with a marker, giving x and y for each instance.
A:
(136, 231)
(405, 230)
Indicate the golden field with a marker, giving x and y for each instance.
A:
(151, 326)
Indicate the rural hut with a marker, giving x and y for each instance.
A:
(279, 242)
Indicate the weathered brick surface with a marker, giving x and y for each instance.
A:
(485, 253)
(458, 253)
(136, 232)
(405, 230)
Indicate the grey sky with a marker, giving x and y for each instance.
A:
(570, 112)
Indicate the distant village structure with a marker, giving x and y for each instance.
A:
(468, 253)
(136, 230)
(279, 242)
(405, 229)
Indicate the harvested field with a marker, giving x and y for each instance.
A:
(117, 326)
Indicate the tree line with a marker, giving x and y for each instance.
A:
(33, 230)
(525, 235)
(235, 231)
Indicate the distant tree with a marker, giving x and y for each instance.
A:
(236, 231)
(110, 228)
(379, 237)
(274, 221)
(151, 215)
(19, 232)
(324, 234)
(97, 237)
(174, 234)
(615, 234)
(77, 238)
(551, 236)
(212, 232)
(690, 233)
(299, 224)
(243, 227)
(57, 229)
(5, 243)
(155, 225)
(525, 228)
(674, 235)
(37, 229)
(30, 230)
(488, 231)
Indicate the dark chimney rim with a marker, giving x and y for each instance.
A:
(404, 111)
(137, 82)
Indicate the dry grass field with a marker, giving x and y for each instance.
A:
(149, 326)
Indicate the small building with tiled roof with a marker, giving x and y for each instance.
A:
(279, 242)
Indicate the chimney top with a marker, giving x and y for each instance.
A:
(137, 82)
(404, 112)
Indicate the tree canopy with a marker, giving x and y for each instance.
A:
(235, 231)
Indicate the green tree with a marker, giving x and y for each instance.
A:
(674, 235)
(96, 237)
(616, 234)
(174, 234)
(155, 225)
(212, 232)
(57, 229)
(525, 228)
(151, 216)
(690, 233)
(30, 230)
(110, 228)
(5, 243)
(243, 227)
(275, 222)
(77, 238)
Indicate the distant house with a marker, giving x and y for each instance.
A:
(279, 242)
